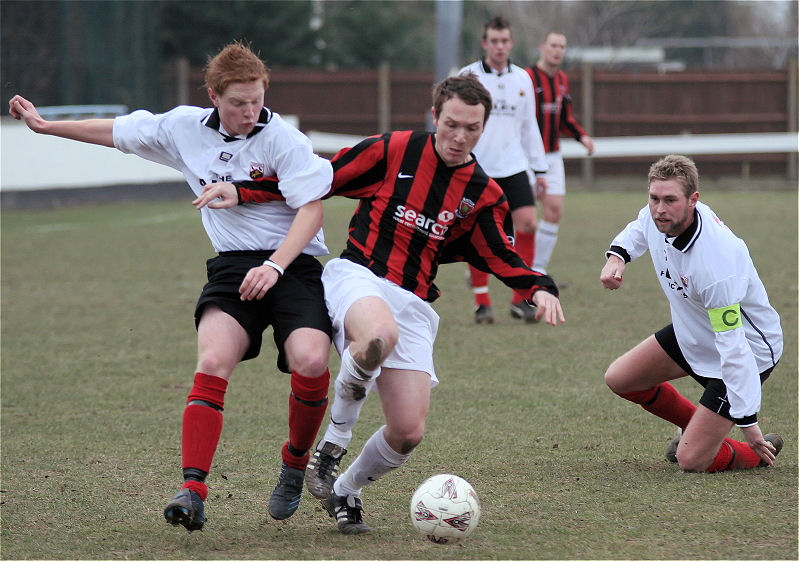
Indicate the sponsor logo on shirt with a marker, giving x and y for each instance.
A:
(216, 178)
(430, 227)
(675, 286)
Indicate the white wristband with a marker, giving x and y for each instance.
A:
(274, 266)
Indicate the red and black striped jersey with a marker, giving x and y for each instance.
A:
(553, 107)
(415, 213)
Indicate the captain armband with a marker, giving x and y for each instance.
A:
(725, 318)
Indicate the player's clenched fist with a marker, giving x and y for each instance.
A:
(611, 274)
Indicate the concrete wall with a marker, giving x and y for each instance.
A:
(32, 162)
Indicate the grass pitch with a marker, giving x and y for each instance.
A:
(98, 352)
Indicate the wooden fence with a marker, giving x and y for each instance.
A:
(607, 104)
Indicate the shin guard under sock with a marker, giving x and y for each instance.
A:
(307, 403)
(665, 402)
(376, 459)
(202, 426)
(352, 385)
(733, 455)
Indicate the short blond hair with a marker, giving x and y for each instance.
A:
(236, 62)
(675, 166)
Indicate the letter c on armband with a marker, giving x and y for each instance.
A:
(725, 318)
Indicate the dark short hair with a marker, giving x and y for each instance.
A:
(675, 166)
(498, 23)
(467, 88)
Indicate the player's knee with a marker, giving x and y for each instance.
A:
(388, 333)
(214, 363)
(313, 363)
(405, 438)
(691, 460)
(526, 225)
(409, 441)
(380, 343)
(552, 214)
(614, 378)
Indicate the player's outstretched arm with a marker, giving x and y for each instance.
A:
(548, 307)
(611, 275)
(94, 131)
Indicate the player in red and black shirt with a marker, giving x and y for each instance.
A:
(416, 213)
(554, 115)
(423, 201)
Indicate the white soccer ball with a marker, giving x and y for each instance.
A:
(445, 508)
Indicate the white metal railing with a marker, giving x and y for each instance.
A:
(29, 161)
(73, 111)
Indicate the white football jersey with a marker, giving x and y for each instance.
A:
(724, 323)
(511, 142)
(193, 141)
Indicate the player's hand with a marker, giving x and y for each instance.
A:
(220, 195)
(541, 187)
(257, 282)
(587, 141)
(760, 446)
(548, 308)
(20, 108)
(611, 275)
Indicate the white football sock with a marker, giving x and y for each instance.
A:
(546, 237)
(375, 460)
(351, 387)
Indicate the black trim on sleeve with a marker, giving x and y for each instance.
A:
(621, 252)
(746, 421)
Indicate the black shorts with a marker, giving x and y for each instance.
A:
(715, 395)
(296, 301)
(518, 190)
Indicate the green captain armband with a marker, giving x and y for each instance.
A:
(725, 318)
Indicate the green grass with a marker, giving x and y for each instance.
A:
(98, 351)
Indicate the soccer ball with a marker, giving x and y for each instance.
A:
(445, 508)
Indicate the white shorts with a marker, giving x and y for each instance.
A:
(556, 181)
(346, 282)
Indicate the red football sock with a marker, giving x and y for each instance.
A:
(733, 455)
(307, 404)
(665, 402)
(525, 244)
(202, 426)
(480, 282)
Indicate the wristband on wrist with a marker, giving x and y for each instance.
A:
(274, 266)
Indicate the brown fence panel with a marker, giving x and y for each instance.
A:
(624, 104)
(643, 104)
